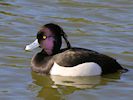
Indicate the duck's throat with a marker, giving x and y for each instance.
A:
(49, 51)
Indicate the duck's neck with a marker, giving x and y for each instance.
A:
(49, 52)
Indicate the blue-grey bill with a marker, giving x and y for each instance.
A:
(32, 46)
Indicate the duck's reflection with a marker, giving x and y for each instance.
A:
(77, 82)
(56, 87)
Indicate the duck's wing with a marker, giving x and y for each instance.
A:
(75, 56)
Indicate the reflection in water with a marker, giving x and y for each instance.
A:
(57, 87)
(77, 82)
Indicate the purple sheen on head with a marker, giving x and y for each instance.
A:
(48, 45)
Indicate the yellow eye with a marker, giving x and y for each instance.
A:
(44, 37)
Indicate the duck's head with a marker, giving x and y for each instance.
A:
(49, 38)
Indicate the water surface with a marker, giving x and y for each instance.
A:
(100, 25)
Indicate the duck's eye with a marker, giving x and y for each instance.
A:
(44, 37)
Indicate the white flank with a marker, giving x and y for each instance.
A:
(32, 46)
(85, 69)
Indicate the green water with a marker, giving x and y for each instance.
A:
(105, 26)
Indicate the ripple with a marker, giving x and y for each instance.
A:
(8, 13)
(8, 4)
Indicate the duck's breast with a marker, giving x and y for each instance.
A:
(84, 69)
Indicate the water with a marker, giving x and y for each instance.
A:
(105, 26)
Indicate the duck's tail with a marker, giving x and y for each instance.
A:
(121, 68)
(124, 70)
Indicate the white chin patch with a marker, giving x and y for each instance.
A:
(32, 46)
(85, 69)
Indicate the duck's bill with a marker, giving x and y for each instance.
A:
(32, 46)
